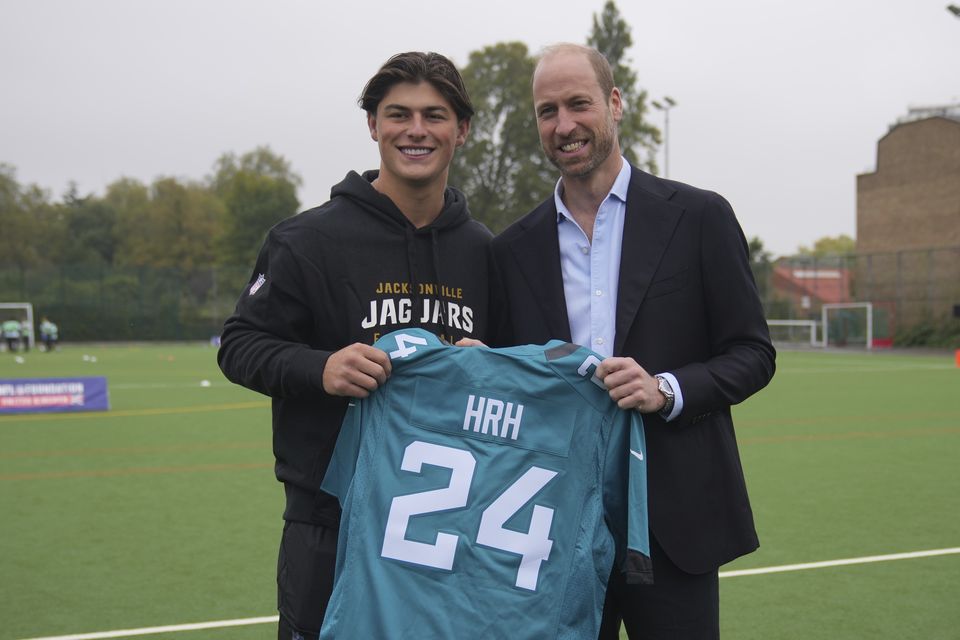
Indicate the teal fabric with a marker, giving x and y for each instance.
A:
(486, 494)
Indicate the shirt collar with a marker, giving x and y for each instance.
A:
(618, 190)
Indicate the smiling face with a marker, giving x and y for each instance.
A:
(577, 122)
(417, 131)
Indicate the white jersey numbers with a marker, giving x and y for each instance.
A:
(533, 546)
(584, 370)
(440, 554)
(404, 348)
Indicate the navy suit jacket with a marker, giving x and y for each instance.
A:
(687, 303)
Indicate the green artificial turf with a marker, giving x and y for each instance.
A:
(164, 510)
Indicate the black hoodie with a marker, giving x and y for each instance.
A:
(348, 271)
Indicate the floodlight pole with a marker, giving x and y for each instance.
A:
(665, 106)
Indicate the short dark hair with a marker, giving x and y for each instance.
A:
(414, 67)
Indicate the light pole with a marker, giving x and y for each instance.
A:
(665, 106)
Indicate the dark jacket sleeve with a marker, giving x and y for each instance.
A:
(265, 345)
(743, 357)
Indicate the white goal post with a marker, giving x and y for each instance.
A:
(806, 327)
(866, 330)
(20, 311)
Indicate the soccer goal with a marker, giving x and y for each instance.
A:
(22, 312)
(848, 324)
(794, 332)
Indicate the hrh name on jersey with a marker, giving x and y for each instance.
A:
(393, 311)
(492, 416)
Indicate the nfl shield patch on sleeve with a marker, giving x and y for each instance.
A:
(259, 283)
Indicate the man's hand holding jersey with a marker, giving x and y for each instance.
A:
(356, 371)
(630, 385)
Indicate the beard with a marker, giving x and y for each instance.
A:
(601, 145)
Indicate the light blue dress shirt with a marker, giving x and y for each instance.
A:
(591, 272)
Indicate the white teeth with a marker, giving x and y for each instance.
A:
(573, 146)
(415, 151)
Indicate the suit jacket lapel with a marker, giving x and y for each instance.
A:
(649, 225)
(540, 265)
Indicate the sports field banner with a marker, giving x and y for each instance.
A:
(49, 395)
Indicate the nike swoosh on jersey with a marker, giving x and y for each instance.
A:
(636, 454)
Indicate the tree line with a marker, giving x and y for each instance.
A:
(221, 220)
(170, 223)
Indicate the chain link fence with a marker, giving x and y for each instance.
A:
(92, 303)
(912, 291)
(915, 293)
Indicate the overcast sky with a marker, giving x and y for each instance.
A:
(780, 104)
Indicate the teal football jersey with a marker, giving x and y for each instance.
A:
(486, 493)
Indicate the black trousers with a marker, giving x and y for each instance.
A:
(677, 606)
(305, 566)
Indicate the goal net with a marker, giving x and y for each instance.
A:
(795, 332)
(848, 324)
(21, 312)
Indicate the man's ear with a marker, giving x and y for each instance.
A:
(616, 104)
(372, 125)
(463, 128)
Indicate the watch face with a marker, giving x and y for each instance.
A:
(665, 388)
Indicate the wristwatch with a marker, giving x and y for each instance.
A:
(663, 385)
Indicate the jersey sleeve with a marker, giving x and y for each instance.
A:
(343, 464)
(399, 345)
(625, 466)
(637, 565)
(625, 496)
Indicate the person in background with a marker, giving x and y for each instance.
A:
(11, 334)
(26, 332)
(49, 334)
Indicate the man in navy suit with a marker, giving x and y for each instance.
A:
(654, 275)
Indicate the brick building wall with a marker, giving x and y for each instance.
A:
(912, 200)
(908, 221)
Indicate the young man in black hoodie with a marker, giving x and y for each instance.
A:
(392, 248)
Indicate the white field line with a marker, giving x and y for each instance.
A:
(197, 626)
(167, 385)
(129, 633)
(886, 368)
(838, 563)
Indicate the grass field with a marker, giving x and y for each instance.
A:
(164, 511)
